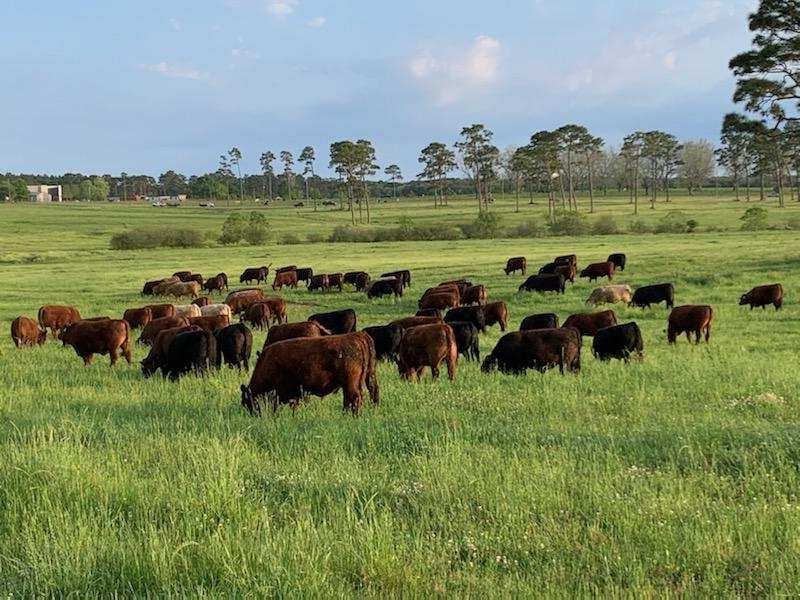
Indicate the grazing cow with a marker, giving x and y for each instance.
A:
(409, 322)
(335, 281)
(156, 358)
(224, 277)
(387, 340)
(239, 301)
(618, 341)
(138, 317)
(476, 294)
(212, 310)
(289, 369)
(539, 321)
(277, 308)
(337, 322)
(519, 263)
(214, 284)
(654, 294)
(258, 315)
(26, 332)
(358, 279)
(197, 278)
(427, 346)
(610, 294)
(152, 329)
(385, 287)
(160, 289)
(430, 312)
(763, 295)
(468, 314)
(539, 349)
(544, 283)
(257, 274)
(182, 275)
(449, 288)
(286, 269)
(619, 260)
(597, 270)
(567, 259)
(104, 336)
(181, 289)
(690, 319)
(467, 339)
(187, 310)
(57, 317)
(588, 324)
(286, 278)
(460, 284)
(440, 300)
(202, 301)
(288, 331)
(568, 270)
(319, 282)
(494, 313)
(161, 310)
(304, 274)
(150, 286)
(403, 275)
(190, 352)
(234, 346)
(211, 324)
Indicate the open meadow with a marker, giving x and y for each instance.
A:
(679, 474)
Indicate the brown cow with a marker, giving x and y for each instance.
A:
(57, 317)
(461, 284)
(409, 322)
(240, 300)
(441, 300)
(289, 331)
(427, 346)
(181, 289)
(567, 259)
(286, 370)
(443, 287)
(182, 275)
(26, 332)
(211, 324)
(138, 317)
(763, 295)
(151, 330)
(283, 278)
(215, 284)
(257, 315)
(277, 308)
(588, 324)
(202, 301)
(496, 312)
(159, 311)
(690, 319)
(319, 282)
(257, 274)
(106, 336)
(519, 263)
(476, 294)
(156, 358)
(149, 286)
(569, 272)
(335, 280)
(598, 270)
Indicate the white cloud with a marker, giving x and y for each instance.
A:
(317, 22)
(451, 77)
(175, 24)
(244, 53)
(176, 71)
(281, 8)
(670, 60)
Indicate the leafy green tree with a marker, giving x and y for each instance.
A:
(235, 160)
(437, 160)
(479, 158)
(19, 190)
(6, 191)
(395, 175)
(288, 174)
(266, 160)
(233, 229)
(354, 162)
(631, 152)
(257, 230)
(697, 164)
(172, 183)
(754, 219)
(225, 173)
(307, 157)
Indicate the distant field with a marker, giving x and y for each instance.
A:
(676, 475)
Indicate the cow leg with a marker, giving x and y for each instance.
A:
(708, 332)
(87, 359)
(503, 323)
(434, 372)
(689, 337)
(697, 335)
(112, 354)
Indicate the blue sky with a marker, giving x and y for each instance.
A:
(145, 86)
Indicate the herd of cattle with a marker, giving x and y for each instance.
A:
(327, 352)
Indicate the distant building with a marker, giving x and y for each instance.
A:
(167, 200)
(45, 193)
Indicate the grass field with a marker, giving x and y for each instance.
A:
(676, 475)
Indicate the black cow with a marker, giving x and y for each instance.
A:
(654, 294)
(539, 349)
(403, 275)
(234, 345)
(544, 283)
(467, 339)
(191, 351)
(337, 322)
(540, 321)
(619, 260)
(387, 340)
(618, 341)
(470, 314)
(385, 287)
(304, 274)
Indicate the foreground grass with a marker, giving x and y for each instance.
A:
(676, 475)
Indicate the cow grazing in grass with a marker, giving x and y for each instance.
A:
(538, 349)
(618, 341)
(588, 324)
(56, 317)
(654, 294)
(337, 322)
(518, 263)
(156, 358)
(690, 319)
(544, 283)
(138, 317)
(152, 329)
(190, 352)
(241, 300)
(619, 260)
(597, 270)
(467, 339)
(763, 295)
(385, 287)
(403, 275)
(469, 314)
(496, 313)
(288, 331)
(234, 346)
(26, 332)
(427, 346)
(476, 294)
(539, 321)
(610, 294)
(387, 340)
(254, 274)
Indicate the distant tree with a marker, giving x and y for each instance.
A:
(438, 161)
(520, 166)
(19, 190)
(101, 189)
(732, 154)
(395, 175)
(233, 229)
(225, 174)
(592, 150)
(366, 167)
(697, 164)
(660, 152)
(172, 183)
(544, 151)
(235, 161)
(256, 231)
(288, 171)
(631, 153)
(572, 140)
(479, 158)
(266, 160)
(354, 162)
(6, 190)
(307, 157)
(124, 181)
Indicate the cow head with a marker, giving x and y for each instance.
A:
(42, 338)
(149, 366)
(745, 299)
(249, 401)
(63, 335)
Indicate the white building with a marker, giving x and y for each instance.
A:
(44, 193)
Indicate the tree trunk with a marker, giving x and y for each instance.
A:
(761, 184)
(591, 187)
(636, 189)
(517, 199)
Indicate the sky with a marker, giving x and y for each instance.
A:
(105, 86)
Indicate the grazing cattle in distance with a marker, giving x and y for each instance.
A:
(692, 318)
(26, 332)
(156, 358)
(187, 310)
(202, 301)
(182, 275)
(149, 288)
(409, 322)
(360, 280)
(213, 310)
(467, 339)
(197, 278)
(56, 317)
(234, 346)
(654, 294)
(588, 324)
(286, 269)
(152, 329)
(539, 321)
(567, 270)
(597, 270)
(610, 294)
(469, 314)
(304, 274)
(440, 300)
(335, 281)
(403, 275)
(277, 307)
(102, 336)
(387, 340)
(519, 263)
(337, 322)
(441, 289)
(181, 289)
(257, 274)
(161, 310)
(190, 352)
(538, 349)
(496, 313)
(211, 324)
(319, 366)
(476, 294)
(385, 287)
(288, 278)
(763, 295)
(619, 260)
(430, 312)
(460, 284)
(618, 341)
(240, 300)
(160, 289)
(567, 259)
(257, 315)
(544, 283)
(223, 277)
(215, 284)
(138, 317)
(427, 346)
(288, 331)
(319, 282)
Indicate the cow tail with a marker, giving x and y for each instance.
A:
(40, 316)
(562, 360)
(127, 345)
(452, 358)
